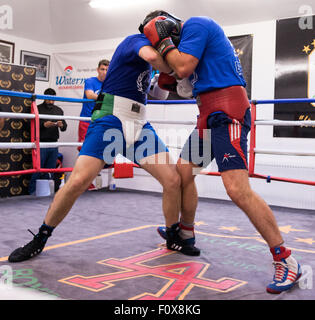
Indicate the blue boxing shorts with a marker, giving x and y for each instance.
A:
(228, 143)
(105, 140)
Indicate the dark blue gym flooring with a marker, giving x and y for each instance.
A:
(107, 248)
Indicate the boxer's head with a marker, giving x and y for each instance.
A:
(177, 30)
(102, 69)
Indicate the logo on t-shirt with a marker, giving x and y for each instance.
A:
(194, 78)
(143, 81)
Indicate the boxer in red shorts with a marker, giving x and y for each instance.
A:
(199, 50)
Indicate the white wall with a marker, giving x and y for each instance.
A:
(33, 46)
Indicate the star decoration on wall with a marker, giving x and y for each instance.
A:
(239, 52)
(307, 48)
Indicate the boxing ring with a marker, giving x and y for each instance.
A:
(102, 255)
(35, 144)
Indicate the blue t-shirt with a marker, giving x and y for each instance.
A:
(90, 84)
(129, 75)
(219, 65)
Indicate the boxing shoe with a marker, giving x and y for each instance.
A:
(287, 270)
(34, 247)
(176, 243)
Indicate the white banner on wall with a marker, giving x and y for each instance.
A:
(71, 69)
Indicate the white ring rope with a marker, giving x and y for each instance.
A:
(306, 123)
(283, 152)
(43, 145)
(17, 145)
(56, 117)
(41, 116)
(29, 145)
(173, 122)
(49, 117)
(14, 115)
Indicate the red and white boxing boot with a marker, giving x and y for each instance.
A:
(287, 270)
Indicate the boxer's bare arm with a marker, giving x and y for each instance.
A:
(90, 94)
(182, 63)
(150, 55)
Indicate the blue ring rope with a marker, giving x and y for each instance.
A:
(297, 100)
(56, 98)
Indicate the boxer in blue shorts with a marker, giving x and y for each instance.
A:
(199, 50)
(95, 145)
(118, 126)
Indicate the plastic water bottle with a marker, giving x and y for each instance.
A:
(52, 187)
(112, 186)
(98, 182)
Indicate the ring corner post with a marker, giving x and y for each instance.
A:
(251, 165)
(35, 135)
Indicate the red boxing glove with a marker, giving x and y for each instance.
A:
(167, 82)
(158, 31)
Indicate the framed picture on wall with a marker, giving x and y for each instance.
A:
(40, 61)
(6, 51)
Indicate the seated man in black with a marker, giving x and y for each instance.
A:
(49, 132)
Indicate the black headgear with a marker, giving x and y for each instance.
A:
(175, 33)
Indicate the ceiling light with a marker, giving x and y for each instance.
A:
(109, 4)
